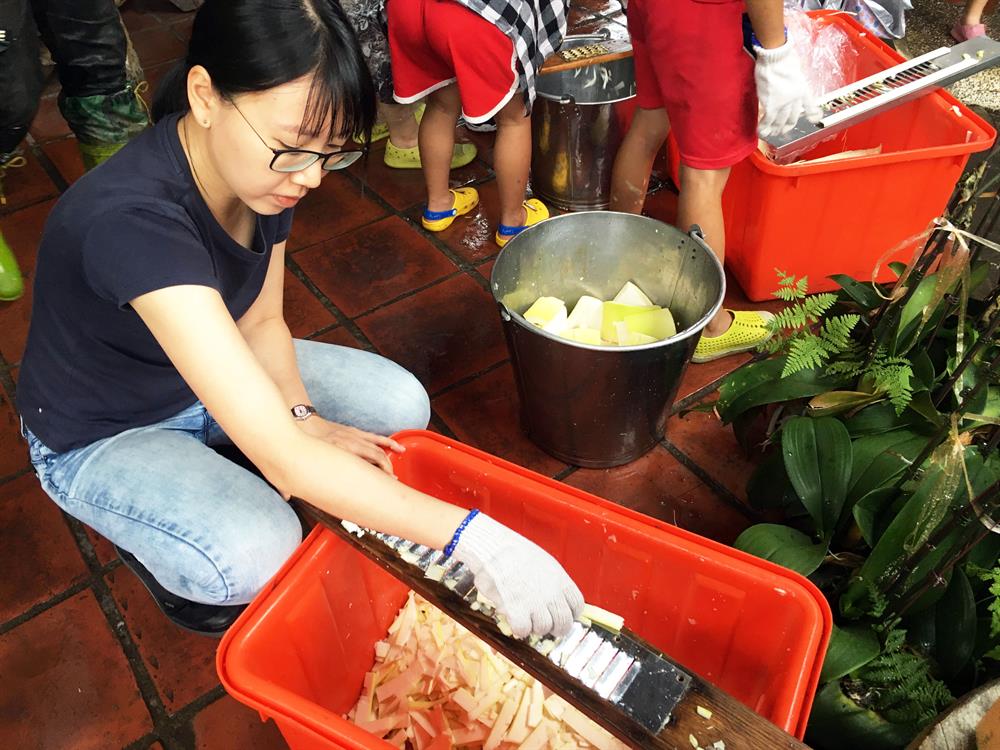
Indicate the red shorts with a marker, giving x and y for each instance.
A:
(689, 60)
(436, 42)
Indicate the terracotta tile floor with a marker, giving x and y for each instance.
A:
(87, 659)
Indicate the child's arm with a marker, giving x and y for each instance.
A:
(768, 20)
(782, 89)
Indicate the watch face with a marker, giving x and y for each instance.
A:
(301, 411)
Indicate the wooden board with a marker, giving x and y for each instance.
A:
(614, 50)
(731, 722)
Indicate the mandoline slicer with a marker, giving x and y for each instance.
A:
(868, 97)
(622, 682)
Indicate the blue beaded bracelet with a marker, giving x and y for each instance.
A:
(458, 532)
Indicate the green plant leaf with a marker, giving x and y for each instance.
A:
(905, 531)
(986, 552)
(932, 596)
(868, 511)
(761, 383)
(923, 369)
(879, 418)
(768, 487)
(991, 409)
(921, 630)
(782, 545)
(923, 404)
(879, 459)
(911, 321)
(973, 374)
(897, 267)
(861, 292)
(837, 722)
(955, 625)
(850, 647)
(837, 402)
(818, 457)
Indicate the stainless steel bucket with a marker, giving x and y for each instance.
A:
(577, 127)
(592, 405)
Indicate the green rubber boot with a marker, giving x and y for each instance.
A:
(11, 281)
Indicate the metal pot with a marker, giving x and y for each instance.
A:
(601, 406)
(577, 127)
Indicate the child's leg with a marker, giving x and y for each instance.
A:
(401, 123)
(512, 160)
(634, 161)
(973, 14)
(437, 141)
(700, 203)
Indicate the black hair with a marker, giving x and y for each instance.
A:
(255, 45)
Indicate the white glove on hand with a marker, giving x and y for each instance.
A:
(782, 91)
(524, 581)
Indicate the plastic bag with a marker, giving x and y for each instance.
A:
(884, 18)
(828, 58)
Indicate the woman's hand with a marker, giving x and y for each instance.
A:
(366, 445)
(526, 584)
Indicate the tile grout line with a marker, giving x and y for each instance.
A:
(464, 265)
(42, 607)
(47, 165)
(342, 319)
(698, 395)
(337, 236)
(439, 422)
(322, 331)
(721, 492)
(16, 475)
(562, 476)
(469, 378)
(116, 621)
(177, 732)
(406, 295)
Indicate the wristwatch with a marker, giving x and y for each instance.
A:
(302, 412)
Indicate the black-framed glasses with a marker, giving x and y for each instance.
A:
(297, 159)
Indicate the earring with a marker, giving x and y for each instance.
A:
(205, 123)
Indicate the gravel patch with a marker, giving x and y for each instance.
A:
(928, 26)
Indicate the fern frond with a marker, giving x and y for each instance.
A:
(894, 380)
(836, 332)
(817, 305)
(805, 353)
(850, 367)
(900, 682)
(789, 288)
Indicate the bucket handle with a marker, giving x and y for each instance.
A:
(603, 35)
(564, 99)
(698, 236)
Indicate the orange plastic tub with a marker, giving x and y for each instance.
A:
(843, 216)
(300, 651)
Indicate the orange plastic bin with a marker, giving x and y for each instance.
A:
(843, 216)
(300, 651)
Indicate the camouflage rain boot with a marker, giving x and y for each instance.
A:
(11, 281)
(105, 123)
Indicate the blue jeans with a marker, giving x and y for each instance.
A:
(207, 529)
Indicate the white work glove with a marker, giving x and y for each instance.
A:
(782, 91)
(523, 581)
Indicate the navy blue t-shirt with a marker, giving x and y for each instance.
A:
(136, 224)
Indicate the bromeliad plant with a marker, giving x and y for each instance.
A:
(878, 413)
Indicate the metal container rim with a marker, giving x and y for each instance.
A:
(696, 328)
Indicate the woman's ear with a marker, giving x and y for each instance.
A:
(203, 99)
